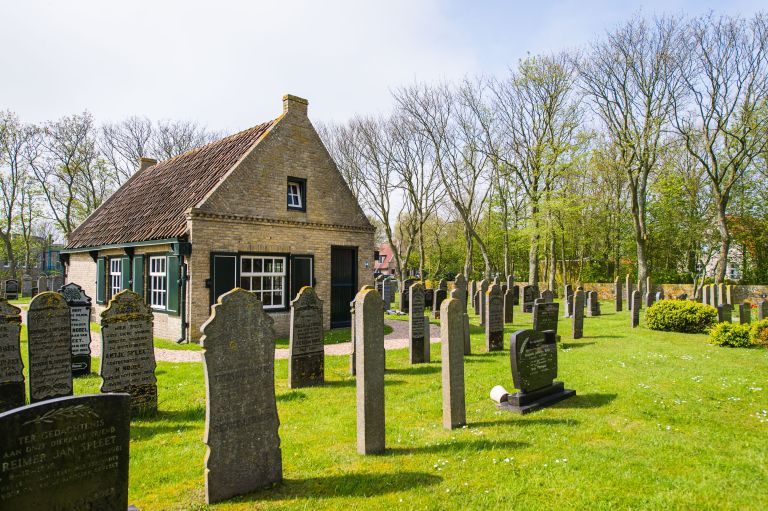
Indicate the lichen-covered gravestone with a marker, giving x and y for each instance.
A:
(577, 315)
(66, 454)
(452, 359)
(533, 357)
(494, 319)
(42, 284)
(241, 422)
(635, 309)
(50, 347)
(416, 324)
(80, 322)
(128, 355)
(305, 348)
(617, 292)
(369, 339)
(12, 393)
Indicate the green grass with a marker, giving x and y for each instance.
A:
(24, 300)
(334, 336)
(661, 421)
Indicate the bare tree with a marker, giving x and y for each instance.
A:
(122, 144)
(631, 78)
(172, 138)
(725, 71)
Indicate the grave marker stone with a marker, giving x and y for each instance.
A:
(460, 292)
(416, 324)
(722, 294)
(593, 304)
(452, 361)
(483, 300)
(405, 295)
(472, 291)
(369, 337)
(429, 297)
(57, 281)
(12, 391)
(635, 309)
(628, 286)
(509, 306)
(713, 296)
(388, 292)
(529, 295)
(745, 313)
(494, 319)
(80, 324)
(128, 355)
(729, 293)
(42, 284)
(515, 294)
(427, 340)
(545, 316)
(578, 314)
(548, 296)
(440, 295)
(617, 292)
(26, 285)
(762, 310)
(11, 289)
(243, 444)
(352, 356)
(50, 347)
(66, 454)
(659, 296)
(305, 345)
(648, 299)
(724, 313)
(533, 357)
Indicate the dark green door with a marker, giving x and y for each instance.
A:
(343, 284)
(223, 275)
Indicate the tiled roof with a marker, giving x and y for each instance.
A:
(151, 205)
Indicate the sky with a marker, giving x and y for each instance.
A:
(226, 64)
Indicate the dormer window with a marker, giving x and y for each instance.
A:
(297, 198)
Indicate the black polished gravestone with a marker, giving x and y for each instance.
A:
(80, 324)
(545, 316)
(66, 454)
(533, 357)
(12, 392)
(529, 296)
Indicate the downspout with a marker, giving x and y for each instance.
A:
(183, 302)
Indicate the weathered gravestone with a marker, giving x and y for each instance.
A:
(460, 292)
(548, 296)
(11, 289)
(429, 297)
(713, 297)
(545, 316)
(50, 347)
(494, 319)
(369, 339)
(578, 314)
(648, 299)
(66, 454)
(729, 293)
(724, 313)
(57, 281)
(128, 355)
(617, 292)
(593, 304)
(515, 294)
(762, 310)
(452, 359)
(745, 313)
(568, 300)
(305, 347)
(533, 357)
(476, 303)
(416, 324)
(352, 357)
(80, 325)
(635, 309)
(427, 340)
(509, 306)
(241, 421)
(405, 294)
(472, 290)
(482, 300)
(440, 295)
(388, 291)
(26, 285)
(12, 392)
(42, 284)
(529, 295)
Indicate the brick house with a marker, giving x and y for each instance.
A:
(385, 261)
(265, 209)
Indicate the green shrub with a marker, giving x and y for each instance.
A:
(680, 316)
(732, 335)
(760, 333)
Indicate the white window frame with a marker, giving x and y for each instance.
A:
(257, 282)
(158, 282)
(115, 276)
(294, 192)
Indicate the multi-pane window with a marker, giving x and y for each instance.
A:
(115, 276)
(294, 195)
(158, 282)
(264, 276)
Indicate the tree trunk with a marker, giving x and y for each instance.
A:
(725, 242)
(552, 263)
(468, 259)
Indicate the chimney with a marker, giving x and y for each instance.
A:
(145, 163)
(294, 104)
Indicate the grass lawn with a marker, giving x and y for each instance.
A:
(334, 336)
(660, 421)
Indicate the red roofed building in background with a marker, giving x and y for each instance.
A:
(385, 264)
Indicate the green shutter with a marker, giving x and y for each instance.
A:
(138, 275)
(173, 284)
(125, 271)
(101, 277)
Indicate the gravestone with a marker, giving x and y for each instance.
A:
(705, 295)
(515, 294)
(66, 454)
(548, 296)
(713, 296)
(26, 285)
(305, 345)
(568, 306)
(697, 295)
(483, 300)
(533, 357)
(510, 281)
(509, 306)
(593, 304)
(724, 313)
(388, 291)
(729, 293)
(545, 316)
(722, 294)
(352, 357)
(416, 324)
(762, 310)
(405, 295)
(80, 324)
(369, 339)
(577, 314)
(50, 347)
(476, 302)
(494, 319)
(128, 355)
(648, 299)
(11, 289)
(57, 281)
(635, 309)
(427, 340)
(452, 362)
(628, 286)
(42, 284)
(460, 292)
(440, 295)
(242, 437)
(429, 297)
(12, 391)
(472, 290)
(617, 292)
(529, 295)
(745, 313)
(659, 296)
